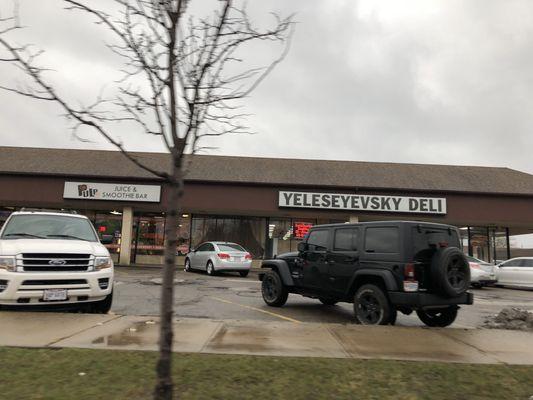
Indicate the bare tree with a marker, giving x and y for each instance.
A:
(183, 79)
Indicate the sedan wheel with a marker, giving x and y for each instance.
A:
(210, 268)
(187, 265)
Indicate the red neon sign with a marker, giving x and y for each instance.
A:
(301, 229)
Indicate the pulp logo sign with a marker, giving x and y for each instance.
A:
(338, 201)
(86, 191)
(112, 191)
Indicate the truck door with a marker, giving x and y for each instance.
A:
(315, 268)
(343, 259)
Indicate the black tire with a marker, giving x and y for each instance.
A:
(328, 301)
(187, 265)
(450, 272)
(372, 307)
(477, 285)
(274, 292)
(210, 268)
(244, 274)
(438, 317)
(102, 306)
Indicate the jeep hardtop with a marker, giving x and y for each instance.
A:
(380, 267)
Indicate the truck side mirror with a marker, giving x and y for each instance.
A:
(302, 246)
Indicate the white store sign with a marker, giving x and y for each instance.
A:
(362, 202)
(112, 192)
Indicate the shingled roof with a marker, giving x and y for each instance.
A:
(271, 171)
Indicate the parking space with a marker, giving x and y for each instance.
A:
(231, 297)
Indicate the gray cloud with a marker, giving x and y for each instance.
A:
(436, 82)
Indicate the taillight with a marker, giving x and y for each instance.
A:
(410, 284)
(475, 265)
(223, 256)
(248, 256)
(409, 271)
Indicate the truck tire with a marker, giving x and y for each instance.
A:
(438, 317)
(102, 306)
(450, 272)
(274, 292)
(372, 307)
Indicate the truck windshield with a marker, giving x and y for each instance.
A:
(48, 227)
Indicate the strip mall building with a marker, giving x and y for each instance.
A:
(265, 204)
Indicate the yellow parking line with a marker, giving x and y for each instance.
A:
(257, 309)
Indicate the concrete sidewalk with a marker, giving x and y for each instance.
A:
(268, 338)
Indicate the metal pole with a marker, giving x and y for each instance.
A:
(488, 244)
(470, 249)
(494, 243)
(508, 242)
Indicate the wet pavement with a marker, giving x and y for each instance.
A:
(231, 297)
(294, 339)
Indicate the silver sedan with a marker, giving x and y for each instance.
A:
(219, 256)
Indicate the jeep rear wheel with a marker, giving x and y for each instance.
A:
(274, 292)
(438, 317)
(450, 272)
(371, 306)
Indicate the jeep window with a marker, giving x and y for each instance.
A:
(318, 240)
(382, 240)
(424, 235)
(49, 227)
(345, 240)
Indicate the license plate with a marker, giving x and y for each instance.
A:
(55, 294)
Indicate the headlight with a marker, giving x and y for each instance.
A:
(8, 263)
(102, 262)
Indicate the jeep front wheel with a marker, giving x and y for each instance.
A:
(371, 306)
(274, 292)
(438, 317)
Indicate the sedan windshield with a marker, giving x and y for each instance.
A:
(49, 227)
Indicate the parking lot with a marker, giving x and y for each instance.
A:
(229, 296)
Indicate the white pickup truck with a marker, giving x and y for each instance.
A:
(54, 258)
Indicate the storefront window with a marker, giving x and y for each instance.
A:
(109, 226)
(285, 234)
(249, 232)
(184, 228)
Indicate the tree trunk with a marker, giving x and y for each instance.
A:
(164, 386)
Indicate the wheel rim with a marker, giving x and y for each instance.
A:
(456, 274)
(187, 265)
(369, 309)
(270, 288)
(210, 268)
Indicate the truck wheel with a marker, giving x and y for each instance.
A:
(438, 317)
(371, 306)
(102, 306)
(328, 301)
(274, 292)
(450, 272)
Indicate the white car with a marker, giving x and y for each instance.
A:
(54, 258)
(481, 273)
(516, 272)
(219, 256)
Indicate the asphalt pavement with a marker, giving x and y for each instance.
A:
(230, 297)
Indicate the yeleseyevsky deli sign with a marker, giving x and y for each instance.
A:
(112, 191)
(363, 202)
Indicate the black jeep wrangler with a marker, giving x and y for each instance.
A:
(380, 267)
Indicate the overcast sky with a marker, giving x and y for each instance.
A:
(423, 81)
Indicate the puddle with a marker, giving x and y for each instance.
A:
(139, 333)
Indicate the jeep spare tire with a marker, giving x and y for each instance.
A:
(450, 272)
